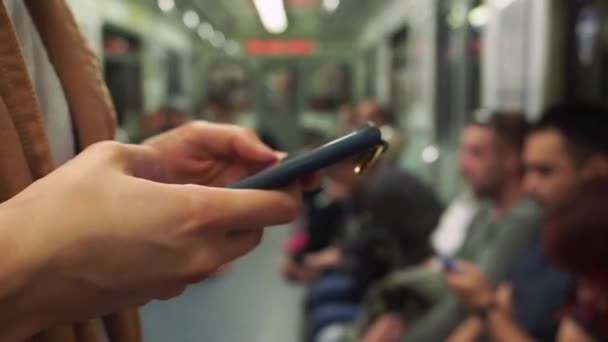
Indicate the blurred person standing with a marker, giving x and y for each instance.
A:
(371, 110)
(226, 103)
(219, 106)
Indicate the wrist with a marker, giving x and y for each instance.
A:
(484, 312)
(22, 261)
(484, 300)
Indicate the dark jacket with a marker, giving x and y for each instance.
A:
(396, 214)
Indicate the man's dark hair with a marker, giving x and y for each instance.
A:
(385, 114)
(583, 125)
(511, 127)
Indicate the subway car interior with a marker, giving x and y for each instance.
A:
(482, 221)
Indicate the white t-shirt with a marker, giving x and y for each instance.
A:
(453, 224)
(52, 100)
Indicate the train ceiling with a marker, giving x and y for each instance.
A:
(308, 19)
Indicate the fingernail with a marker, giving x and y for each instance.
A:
(265, 151)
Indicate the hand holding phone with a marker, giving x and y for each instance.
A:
(448, 262)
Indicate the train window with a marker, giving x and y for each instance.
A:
(279, 89)
(474, 60)
(227, 92)
(122, 71)
(280, 99)
(587, 59)
(458, 68)
(445, 74)
(398, 74)
(174, 74)
(370, 73)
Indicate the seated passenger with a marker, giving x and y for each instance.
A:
(386, 223)
(499, 232)
(371, 110)
(565, 148)
(317, 228)
(576, 239)
(318, 225)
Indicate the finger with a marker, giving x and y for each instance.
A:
(280, 155)
(239, 209)
(229, 140)
(503, 295)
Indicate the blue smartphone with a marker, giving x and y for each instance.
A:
(365, 143)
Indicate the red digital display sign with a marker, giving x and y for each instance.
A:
(280, 47)
(302, 3)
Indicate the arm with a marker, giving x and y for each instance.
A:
(569, 330)
(475, 291)
(387, 328)
(495, 261)
(324, 259)
(389, 294)
(21, 261)
(499, 325)
(439, 323)
(516, 231)
(89, 231)
(502, 328)
(294, 272)
(468, 331)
